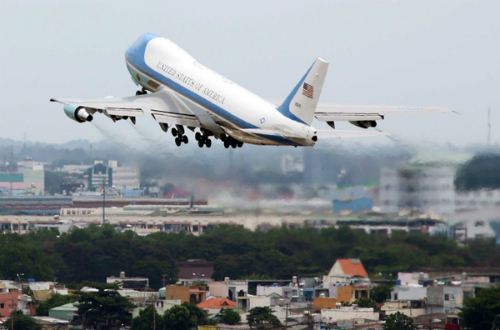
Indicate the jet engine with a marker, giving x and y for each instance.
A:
(77, 113)
(364, 123)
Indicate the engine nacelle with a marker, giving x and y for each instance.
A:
(364, 123)
(77, 113)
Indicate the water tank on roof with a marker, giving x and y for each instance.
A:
(122, 274)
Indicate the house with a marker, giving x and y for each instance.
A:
(161, 306)
(190, 294)
(214, 305)
(229, 289)
(64, 312)
(286, 292)
(9, 299)
(345, 270)
(340, 293)
(406, 292)
(447, 299)
(348, 313)
(129, 282)
(195, 270)
(411, 308)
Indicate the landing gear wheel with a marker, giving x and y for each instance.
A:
(197, 136)
(200, 143)
(174, 131)
(223, 137)
(185, 139)
(208, 143)
(226, 144)
(178, 141)
(138, 93)
(240, 144)
(234, 143)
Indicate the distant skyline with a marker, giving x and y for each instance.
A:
(442, 53)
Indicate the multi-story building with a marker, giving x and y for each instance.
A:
(27, 178)
(112, 175)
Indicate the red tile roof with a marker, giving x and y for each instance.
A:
(217, 303)
(352, 267)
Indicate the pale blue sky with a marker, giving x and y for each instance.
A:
(443, 53)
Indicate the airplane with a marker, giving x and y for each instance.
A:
(178, 92)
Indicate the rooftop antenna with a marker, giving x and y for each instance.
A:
(489, 126)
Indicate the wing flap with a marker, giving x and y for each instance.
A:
(175, 118)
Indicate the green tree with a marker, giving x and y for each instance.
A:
(230, 316)
(380, 293)
(106, 306)
(399, 321)
(262, 318)
(479, 312)
(198, 315)
(145, 320)
(54, 301)
(366, 302)
(21, 321)
(481, 172)
(178, 318)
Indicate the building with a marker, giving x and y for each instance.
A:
(123, 282)
(28, 178)
(190, 294)
(412, 278)
(9, 299)
(447, 299)
(112, 175)
(214, 305)
(338, 294)
(285, 292)
(195, 270)
(229, 289)
(348, 313)
(64, 312)
(354, 205)
(161, 307)
(345, 270)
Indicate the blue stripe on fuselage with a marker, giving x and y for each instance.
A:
(135, 56)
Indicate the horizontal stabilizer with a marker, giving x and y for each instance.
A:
(348, 134)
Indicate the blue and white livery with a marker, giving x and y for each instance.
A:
(178, 92)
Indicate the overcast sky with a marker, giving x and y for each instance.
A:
(442, 53)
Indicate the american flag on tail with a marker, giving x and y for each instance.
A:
(308, 90)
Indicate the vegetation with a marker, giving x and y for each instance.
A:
(97, 252)
(479, 312)
(21, 321)
(106, 306)
(481, 172)
(145, 320)
(54, 301)
(380, 293)
(399, 321)
(230, 316)
(262, 318)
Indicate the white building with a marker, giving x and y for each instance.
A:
(229, 289)
(412, 278)
(286, 292)
(348, 313)
(124, 177)
(420, 188)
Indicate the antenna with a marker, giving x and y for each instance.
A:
(489, 126)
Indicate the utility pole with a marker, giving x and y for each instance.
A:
(489, 126)
(104, 200)
(13, 306)
(10, 168)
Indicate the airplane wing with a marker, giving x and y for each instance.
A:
(348, 134)
(347, 112)
(164, 106)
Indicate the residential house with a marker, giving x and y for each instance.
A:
(161, 306)
(345, 271)
(286, 292)
(124, 282)
(195, 270)
(447, 299)
(348, 313)
(214, 305)
(64, 312)
(229, 289)
(190, 294)
(340, 293)
(9, 299)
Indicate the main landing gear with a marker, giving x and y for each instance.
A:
(179, 135)
(203, 139)
(144, 91)
(230, 142)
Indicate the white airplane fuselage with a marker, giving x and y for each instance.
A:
(156, 63)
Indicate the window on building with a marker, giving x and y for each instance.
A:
(447, 298)
(479, 223)
(195, 228)
(2, 305)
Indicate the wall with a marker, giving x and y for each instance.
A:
(343, 294)
(408, 293)
(6, 302)
(177, 292)
(348, 313)
(218, 289)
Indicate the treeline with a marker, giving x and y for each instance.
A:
(94, 253)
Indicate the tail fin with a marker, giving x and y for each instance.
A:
(302, 101)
